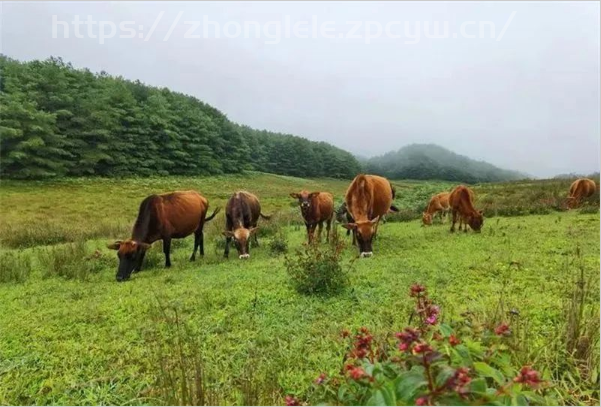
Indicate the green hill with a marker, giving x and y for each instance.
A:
(430, 161)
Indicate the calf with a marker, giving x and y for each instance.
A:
(461, 201)
(316, 208)
(439, 203)
(163, 217)
(241, 216)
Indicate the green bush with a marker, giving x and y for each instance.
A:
(279, 244)
(14, 267)
(317, 269)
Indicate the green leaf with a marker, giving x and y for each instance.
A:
(409, 384)
(489, 371)
(445, 330)
(383, 396)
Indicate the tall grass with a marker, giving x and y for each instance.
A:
(14, 267)
(71, 261)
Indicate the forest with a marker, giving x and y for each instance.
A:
(58, 121)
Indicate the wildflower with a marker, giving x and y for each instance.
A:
(503, 330)
(453, 340)
(406, 338)
(432, 312)
(362, 345)
(417, 289)
(528, 376)
(291, 401)
(459, 381)
(422, 348)
(320, 379)
(421, 401)
(357, 373)
(345, 333)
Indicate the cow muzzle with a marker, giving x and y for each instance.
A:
(244, 256)
(366, 254)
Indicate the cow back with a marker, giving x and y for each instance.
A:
(368, 197)
(242, 210)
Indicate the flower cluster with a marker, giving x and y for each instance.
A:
(406, 338)
(529, 377)
(503, 330)
(459, 381)
(292, 401)
(362, 345)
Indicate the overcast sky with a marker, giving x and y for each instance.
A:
(526, 98)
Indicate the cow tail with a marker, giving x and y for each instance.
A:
(215, 212)
(265, 216)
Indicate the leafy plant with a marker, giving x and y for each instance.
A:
(317, 269)
(431, 364)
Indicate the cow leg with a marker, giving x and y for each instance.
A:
(319, 232)
(167, 251)
(354, 237)
(328, 225)
(196, 239)
(454, 221)
(226, 253)
(140, 260)
(201, 243)
(256, 238)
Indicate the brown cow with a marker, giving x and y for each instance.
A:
(461, 200)
(241, 216)
(439, 203)
(580, 189)
(367, 199)
(316, 208)
(163, 217)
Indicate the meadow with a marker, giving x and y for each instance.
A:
(71, 335)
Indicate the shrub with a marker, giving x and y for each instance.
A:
(71, 261)
(431, 364)
(279, 244)
(14, 267)
(317, 269)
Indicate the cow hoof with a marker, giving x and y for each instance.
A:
(366, 254)
(244, 256)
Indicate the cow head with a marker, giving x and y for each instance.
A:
(426, 218)
(305, 199)
(129, 252)
(241, 237)
(364, 231)
(476, 220)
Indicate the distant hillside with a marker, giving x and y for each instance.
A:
(430, 161)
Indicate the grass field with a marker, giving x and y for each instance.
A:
(71, 335)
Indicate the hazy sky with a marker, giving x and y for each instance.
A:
(528, 99)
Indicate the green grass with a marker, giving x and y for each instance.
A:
(72, 340)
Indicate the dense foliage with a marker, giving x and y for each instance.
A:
(59, 121)
(429, 161)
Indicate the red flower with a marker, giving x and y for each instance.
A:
(422, 348)
(320, 379)
(453, 340)
(503, 330)
(417, 289)
(432, 312)
(529, 377)
(291, 401)
(422, 401)
(357, 373)
(459, 381)
(406, 338)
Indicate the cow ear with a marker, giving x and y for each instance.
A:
(228, 233)
(144, 246)
(350, 226)
(114, 246)
(294, 195)
(313, 194)
(253, 230)
(374, 221)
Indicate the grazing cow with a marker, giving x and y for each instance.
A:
(316, 208)
(439, 203)
(368, 198)
(241, 215)
(580, 189)
(461, 200)
(163, 217)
